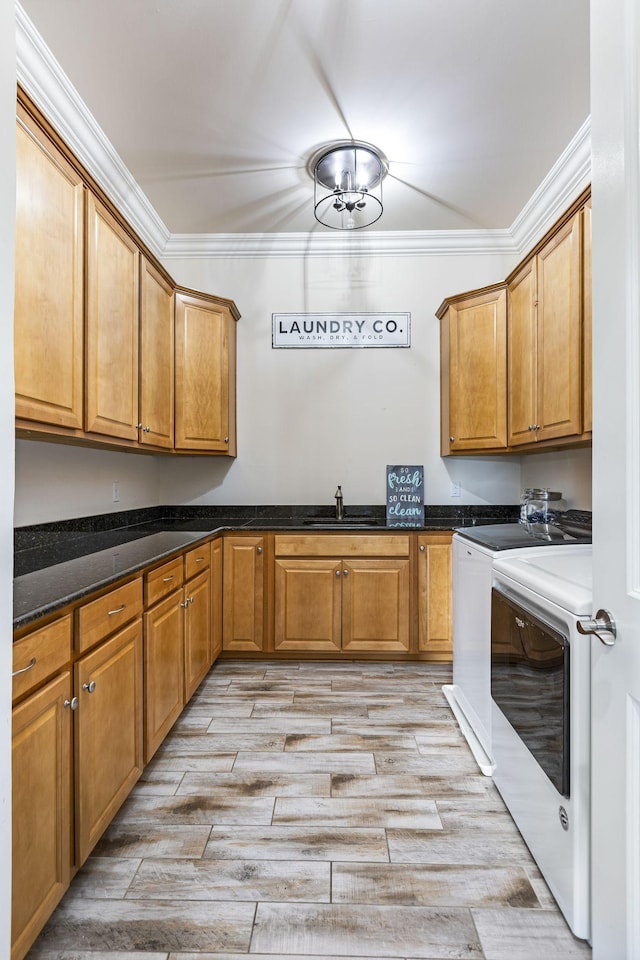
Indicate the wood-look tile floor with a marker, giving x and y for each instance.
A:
(305, 810)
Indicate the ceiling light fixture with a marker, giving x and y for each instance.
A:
(347, 184)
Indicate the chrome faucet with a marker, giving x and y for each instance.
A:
(339, 504)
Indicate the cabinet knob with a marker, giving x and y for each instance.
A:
(452, 439)
(89, 687)
(258, 549)
(73, 703)
(345, 573)
(146, 429)
(185, 604)
(139, 426)
(226, 439)
(422, 548)
(337, 573)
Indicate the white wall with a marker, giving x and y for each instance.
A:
(566, 470)
(58, 482)
(310, 419)
(7, 219)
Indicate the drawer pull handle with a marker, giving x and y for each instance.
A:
(89, 687)
(118, 610)
(168, 579)
(29, 666)
(199, 559)
(73, 703)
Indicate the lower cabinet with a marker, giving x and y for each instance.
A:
(197, 632)
(163, 670)
(333, 605)
(42, 809)
(108, 733)
(243, 598)
(434, 596)
(342, 593)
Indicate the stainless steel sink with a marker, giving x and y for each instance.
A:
(346, 522)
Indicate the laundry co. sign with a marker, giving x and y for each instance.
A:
(341, 329)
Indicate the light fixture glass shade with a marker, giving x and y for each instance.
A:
(347, 184)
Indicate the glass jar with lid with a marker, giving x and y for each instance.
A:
(544, 506)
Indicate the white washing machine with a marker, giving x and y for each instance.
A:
(474, 551)
(540, 714)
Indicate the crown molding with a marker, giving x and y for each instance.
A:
(42, 77)
(372, 243)
(569, 176)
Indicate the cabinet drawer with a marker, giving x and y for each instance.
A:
(197, 560)
(40, 655)
(329, 545)
(162, 581)
(102, 617)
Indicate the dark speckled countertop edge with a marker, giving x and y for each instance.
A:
(72, 563)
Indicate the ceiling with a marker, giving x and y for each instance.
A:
(216, 105)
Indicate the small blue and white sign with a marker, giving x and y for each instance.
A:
(405, 496)
(341, 330)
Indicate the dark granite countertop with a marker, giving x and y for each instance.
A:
(61, 563)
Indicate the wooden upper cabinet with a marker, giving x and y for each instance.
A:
(156, 358)
(545, 341)
(49, 282)
(473, 343)
(113, 270)
(205, 375)
(587, 349)
(523, 355)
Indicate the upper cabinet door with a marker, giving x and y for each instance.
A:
(560, 333)
(523, 355)
(113, 267)
(156, 358)
(205, 376)
(49, 258)
(473, 343)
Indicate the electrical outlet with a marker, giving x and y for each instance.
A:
(115, 493)
(455, 488)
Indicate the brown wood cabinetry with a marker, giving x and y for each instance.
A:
(342, 593)
(243, 594)
(41, 779)
(545, 341)
(434, 595)
(530, 388)
(49, 284)
(473, 371)
(108, 732)
(216, 598)
(205, 374)
(155, 419)
(111, 374)
(99, 359)
(163, 669)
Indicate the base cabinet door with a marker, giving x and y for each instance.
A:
(163, 670)
(216, 599)
(41, 819)
(308, 604)
(108, 732)
(243, 624)
(197, 631)
(434, 597)
(375, 606)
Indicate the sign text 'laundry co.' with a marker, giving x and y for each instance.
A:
(341, 329)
